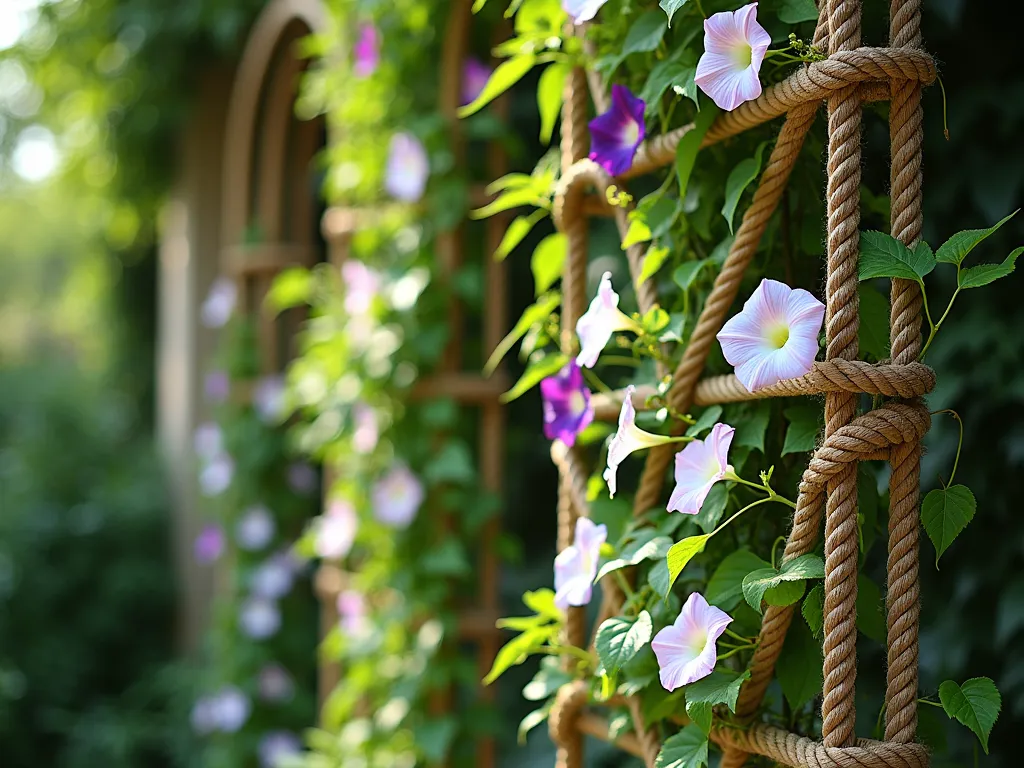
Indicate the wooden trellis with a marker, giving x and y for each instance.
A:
(476, 623)
(851, 75)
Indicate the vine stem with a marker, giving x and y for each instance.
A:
(959, 444)
(772, 495)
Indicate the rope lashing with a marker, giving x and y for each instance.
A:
(800, 752)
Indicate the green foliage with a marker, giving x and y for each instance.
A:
(757, 584)
(717, 688)
(687, 749)
(619, 640)
(945, 513)
(682, 552)
(739, 179)
(976, 704)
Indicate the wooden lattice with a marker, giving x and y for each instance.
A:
(849, 76)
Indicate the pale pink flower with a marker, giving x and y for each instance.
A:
(362, 285)
(255, 528)
(219, 303)
(407, 169)
(336, 530)
(352, 612)
(734, 47)
(686, 650)
(576, 565)
(699, 466)
(628, 438)
(601, 320)
(366, 432)
(774, 337)
(582, 10)
(397, 497)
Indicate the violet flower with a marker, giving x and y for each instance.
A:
(362, 285)
(259, 618)
(397, 497)
(336, 530)
(219, 303)
(566, 401)
(616, 135)
(366, 432)
(255, 528)
(216, 476)
(302, 478)
(208, 440)
(274, 578)
(209, 544)
(576, 565)
(475, 75)
(276, 747)
(216, 386)
(408, 168)
(352, 612)
(268, 399)
(366, 50)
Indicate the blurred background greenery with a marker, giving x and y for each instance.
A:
(93, 95)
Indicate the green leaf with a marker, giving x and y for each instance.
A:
(758, 582)
(688, 89)
(671, 6)
(804, 426)
(713, 508)
(795, 11)
(550, 90)
(638, 231)
(434, 737)
(618, 640)
(549, 678)
(751, 428)
(659, 211)
(681, 553)
(542, 603)
(534, 373)
(955, 250)
(882, 255)
(700, 713)
(976, 704)
(983, 274)
(814, 609)
(664, 74)
(874, 323)
(687, 749)
(739, 179)
(707, 419)
(636, 553)
(517, 230)
(725, 587)
(506, 75)
(509, 199)
(658, 578)
(687, 272)
(452, 464)
(516, 651)
(548, 260)
(870, 612)
(799, 666)
(645, 34)
(786, 593)
(290, 288)
(653, 260)
(689, 146)
(717, 688)
(946, 512)
(533, 314)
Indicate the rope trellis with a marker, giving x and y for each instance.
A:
(850, 76)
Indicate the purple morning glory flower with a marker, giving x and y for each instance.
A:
(475, 75)
(255, 528)
(259, 618)
(204, 715)
(408, 168)
(268, 399)
(216, 386)
(208, 441)
(276, 746)
(615, 135)
(367, 50)
(216, 476)
(274, 578)
(232, 708)
(397, 497)
(275, 684)
(219, 303)
(209, 544)
(567, 409)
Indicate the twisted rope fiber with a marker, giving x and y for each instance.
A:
(903, 606)
(875, 67)
(801, 752)
(569, 701)
(569, 465)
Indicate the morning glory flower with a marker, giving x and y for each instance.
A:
(209, 544)
(686, 650)
(628, 438)
(576, 565)
(362, 284)
(274, 578)
(582, 10)
(204, 715)
(615, 135)
(231, 709)
(475, 75)
(208, 440)
(774, 337)
(216, 386)
(397, 497)
(268, 399)
(219, 303)
(405, 177)
(255, 528)
(352, 611)
(734, 47)
(366, 50)
(366, 432)
(276, 747)
(336, 530)
(600, 321)
(216, 476)
(567, 409)
(259, 618)
(302, 478)
(275, 684)
(700, 465)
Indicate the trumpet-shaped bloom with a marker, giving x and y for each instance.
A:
(209, 544)
(615, 135)
(628, 438)
(366, 50)
(686, 650)
(336, 530)
(599, 322)
(734, 47)
(699, 466)
(774, 337)
(255, 528)
(397, 497)
(219, 303)
(582, 10)
(407, 169)
(567, 409)
(576, 565)
(475, 75)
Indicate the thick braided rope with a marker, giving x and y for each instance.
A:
(876, 67)
(562, 719)
(571, 473)
(903, 589)
(841, 325)
(801, 752)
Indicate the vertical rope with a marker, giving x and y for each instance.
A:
(841, 325)
(903, 589)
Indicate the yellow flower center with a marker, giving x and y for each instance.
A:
(698, 639)
(577, 403)
(631, 133)
(742, 56)
(777, 335)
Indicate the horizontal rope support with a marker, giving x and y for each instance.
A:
(874, 68)
(903, 381)
(801, 752)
